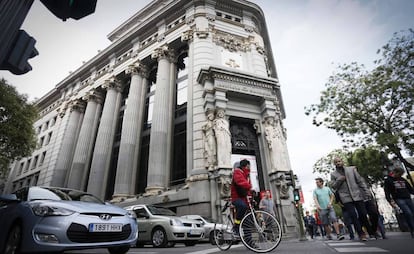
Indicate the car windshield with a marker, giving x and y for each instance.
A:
(41, 193)
(160, 211)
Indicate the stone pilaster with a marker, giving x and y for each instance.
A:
(131, 132)
(64, 159)
(80, 164)
(158, 163)
(101, 159)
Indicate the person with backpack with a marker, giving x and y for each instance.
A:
(397, 192)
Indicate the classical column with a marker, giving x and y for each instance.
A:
(64, 160)
(80, 164)
(131, 132)
(101, 159)
(158, 163)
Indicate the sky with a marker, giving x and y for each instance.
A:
(309, 38)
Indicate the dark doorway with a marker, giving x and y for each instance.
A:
(244, 141)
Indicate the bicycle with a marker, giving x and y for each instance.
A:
(259, 230)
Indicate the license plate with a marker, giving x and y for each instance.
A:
(195, 232)
(105, 227)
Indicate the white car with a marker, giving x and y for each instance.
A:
(161, 227)
(207, 224)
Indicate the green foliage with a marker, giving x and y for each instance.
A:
(373, 107)
(370, 162)
(17, 135)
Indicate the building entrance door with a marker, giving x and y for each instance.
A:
(244, 142)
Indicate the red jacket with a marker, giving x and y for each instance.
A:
(241, 177)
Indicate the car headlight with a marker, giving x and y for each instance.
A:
(176, 222)
(131, 215)
(43, 210)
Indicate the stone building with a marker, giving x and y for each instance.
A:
(185, 89)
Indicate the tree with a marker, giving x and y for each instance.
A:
(17, 135)
(369, 161)
(373, 107)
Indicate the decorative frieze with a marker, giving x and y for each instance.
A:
(232, 43)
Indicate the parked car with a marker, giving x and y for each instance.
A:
(161, 227)
(207, 224)
(49, 219)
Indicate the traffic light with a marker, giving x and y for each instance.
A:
(290, 178)
(22, 50)
(75, 9)
(296, 196)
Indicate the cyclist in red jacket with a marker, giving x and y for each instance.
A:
(240, 188)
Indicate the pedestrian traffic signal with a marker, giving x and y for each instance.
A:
(75, 9)
(296, 196)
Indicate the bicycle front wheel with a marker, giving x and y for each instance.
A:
(223, 234)
(260, 231)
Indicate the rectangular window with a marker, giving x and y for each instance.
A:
(42, 158)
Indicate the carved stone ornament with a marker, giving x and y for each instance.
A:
(231, 42)
(282, 186)
(93, 95)
(224, 182)
(77, 105)
(202, 34)
(112, 83)
(162, 52)
(189, 20)
(187, 35)
(137, 68)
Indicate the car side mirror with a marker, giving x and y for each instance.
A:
(9, 198)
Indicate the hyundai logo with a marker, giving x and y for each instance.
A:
(105, 216)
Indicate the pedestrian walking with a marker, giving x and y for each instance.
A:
(352, 192)
(267, 204)
(323, 198)
(310, 224)
(397, 192)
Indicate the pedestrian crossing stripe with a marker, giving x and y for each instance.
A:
(354, 247)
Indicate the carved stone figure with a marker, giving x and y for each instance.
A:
(283, 187)
(273, 138)
(223, 139)
(210, 151)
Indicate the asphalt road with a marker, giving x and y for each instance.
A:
(397, 242)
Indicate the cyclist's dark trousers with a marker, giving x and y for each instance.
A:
(241, 208)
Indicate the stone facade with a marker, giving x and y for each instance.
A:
(131, 125)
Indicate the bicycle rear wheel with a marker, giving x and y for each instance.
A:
(260, 232)
(223, 234)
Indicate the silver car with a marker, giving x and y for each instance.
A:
(207, 224)
(48, 219)
(161, 227)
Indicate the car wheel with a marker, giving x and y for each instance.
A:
(13, 240)
(159, 238)
(211, 238)
(119, 249)
(191, 243)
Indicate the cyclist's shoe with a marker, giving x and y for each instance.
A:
(235, 236)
